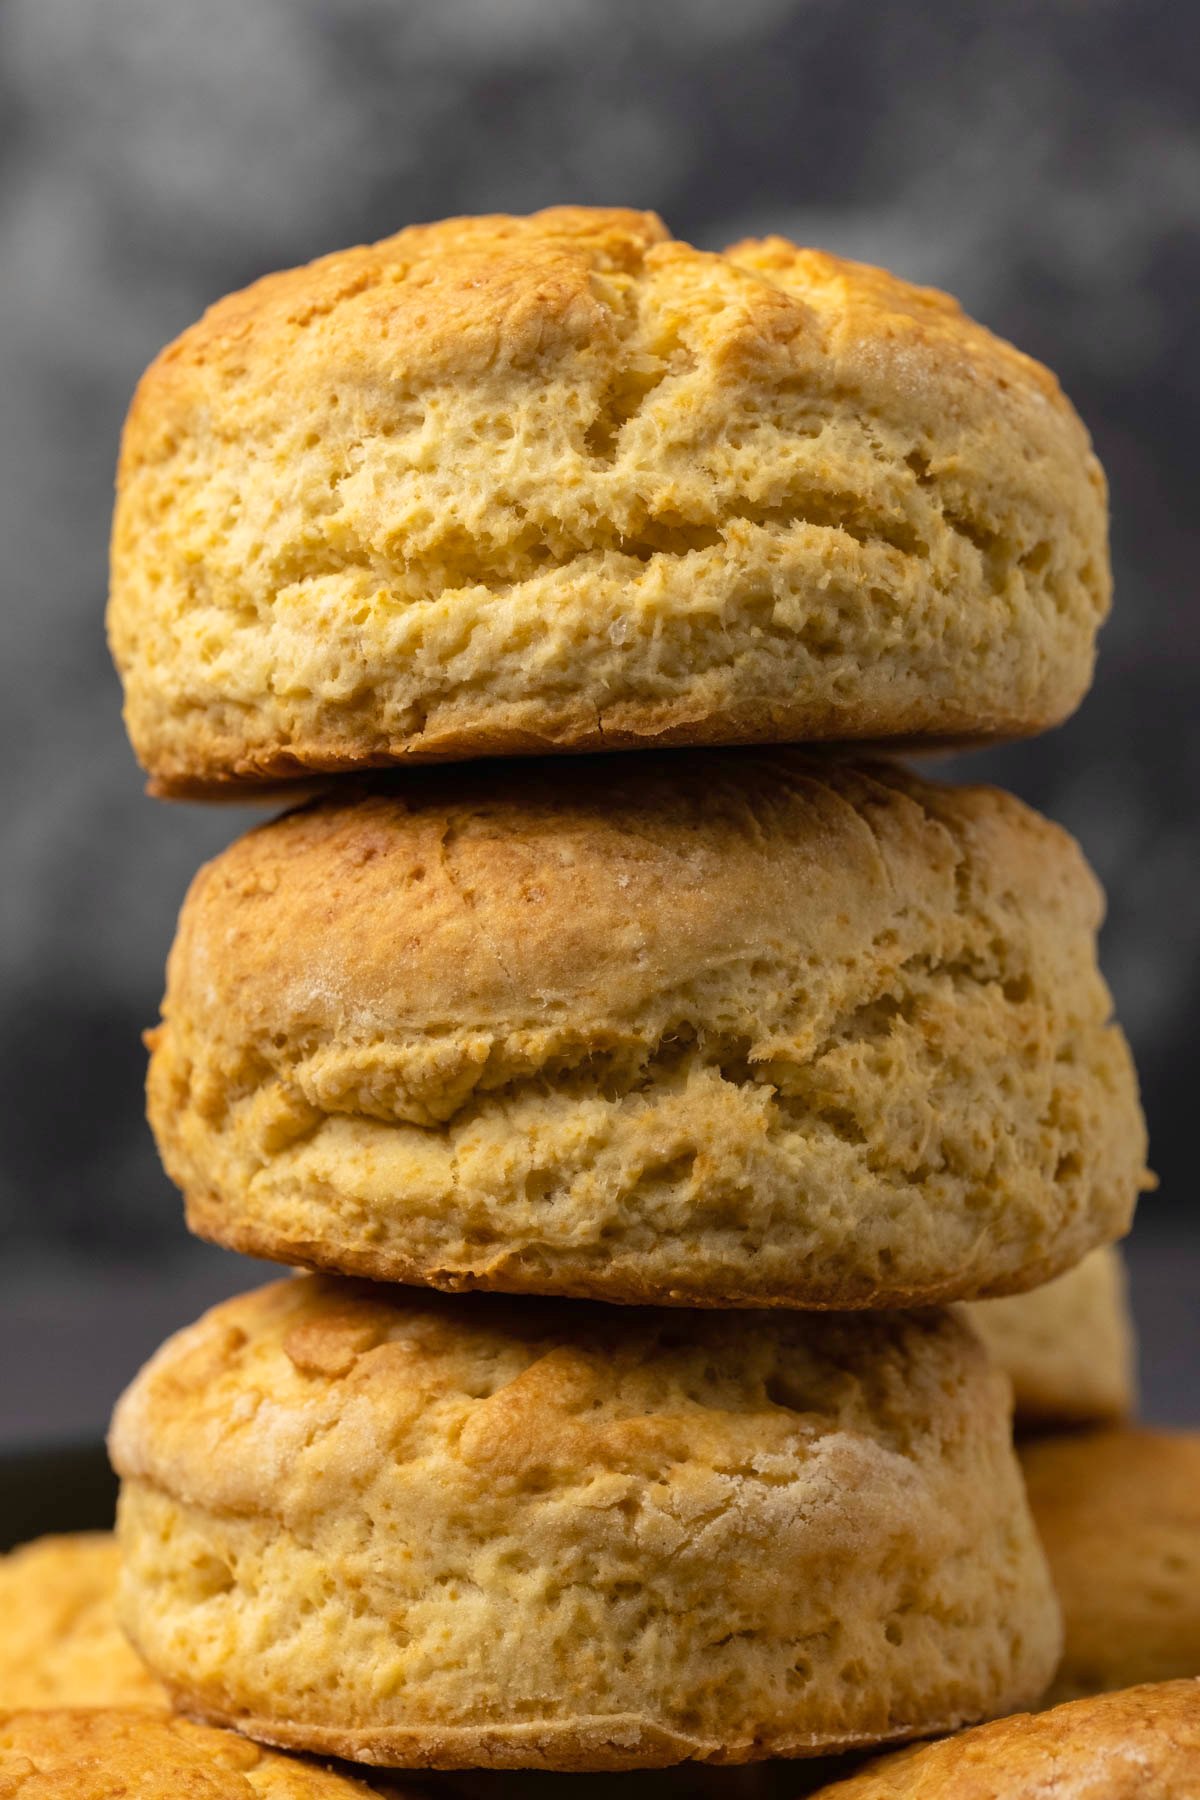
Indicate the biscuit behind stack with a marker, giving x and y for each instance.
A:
(95, 1754)
(1119, 1512)
(1143, 1744)
(60, 1644)
(1068, 1347)
(736, 1029)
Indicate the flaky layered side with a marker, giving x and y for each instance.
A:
(562, 482)
(100, 1754)
(471, 1532)
(724, 1030)
(1067, 1347)
(1119, 1514)
(60, 1644)
(1142, 1744)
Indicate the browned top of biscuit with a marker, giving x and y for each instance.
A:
(525, 1390)
(538, 908)
(464, 297)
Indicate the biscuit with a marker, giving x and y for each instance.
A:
(60, 1644)
(1119, 1514)
(468, 1531)
(504, 485)
(1068, 1347)
(1142, 1744)
(81, 1754)
(737, 1028)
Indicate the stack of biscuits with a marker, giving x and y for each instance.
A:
(639, 1057)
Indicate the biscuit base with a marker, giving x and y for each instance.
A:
(209, 1216)
(612, 1744)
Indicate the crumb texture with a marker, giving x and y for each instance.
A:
(64, 1754)
(60, 1644)
(435, 1530)
(564, 482)
(1119, 1514)
(731, 1029)
(1143, 1744)
(1067, 1347)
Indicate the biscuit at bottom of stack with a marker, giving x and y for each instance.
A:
(60, 1644)
(97, 1754)
(725, 1030)
(511, 484)
(451, 1532)
(1140, 1744)
(1119, 1515)
(1068, 1347)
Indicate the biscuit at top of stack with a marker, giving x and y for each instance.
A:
(741, 1029)
(502, 485)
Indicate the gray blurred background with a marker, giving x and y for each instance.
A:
(1042, 161)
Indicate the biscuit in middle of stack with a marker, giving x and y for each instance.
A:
(719, 1030)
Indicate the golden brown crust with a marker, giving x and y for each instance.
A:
(1119, 1514)
(60, 1644)
(610, 1744)
(288, 776)
(87, 1754)
(502, 486)
(406, 1528)
(732, 1029)
(1067, 1347)
(1141, 1744)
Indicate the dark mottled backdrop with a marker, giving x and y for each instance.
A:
(1041, 160)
